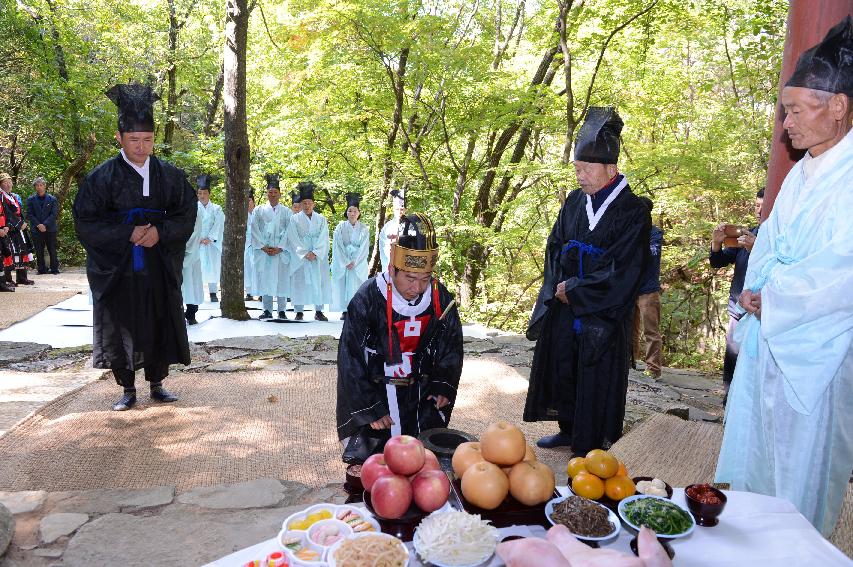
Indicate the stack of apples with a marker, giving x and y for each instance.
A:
(600, 474)
(502, 463)
(404, 472)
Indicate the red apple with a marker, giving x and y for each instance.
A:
(373, 468)
(430, 463)
(391, 496)
(404, 454)
(431, 489)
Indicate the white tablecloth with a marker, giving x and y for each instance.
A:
(753, 530)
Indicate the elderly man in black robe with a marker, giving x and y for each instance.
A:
(134, 214)
(400, 353)
(594, 259)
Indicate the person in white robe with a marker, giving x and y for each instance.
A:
(212, 230)
(272, 257)
(388, 234)
(789, 426)
(296, 206)
(350, 247)
(192, 286)
(248, 252)
(308, 238)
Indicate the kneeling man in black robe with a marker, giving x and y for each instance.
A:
(400, 353)
(134, 214)
(594, 259)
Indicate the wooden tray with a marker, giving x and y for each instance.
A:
(510, 512)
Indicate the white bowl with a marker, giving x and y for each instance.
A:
(637, 528)
(482, 561)
(303, 537)
(310, 510)
(342, 530)
(330, 554)
(611, 516)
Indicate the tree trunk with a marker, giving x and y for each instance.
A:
(236, 159)
(171, 81)
(213, 103)
(398, 84)
(486, 205)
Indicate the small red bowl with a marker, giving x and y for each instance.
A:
(706, 513)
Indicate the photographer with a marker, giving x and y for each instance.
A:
(720, 257)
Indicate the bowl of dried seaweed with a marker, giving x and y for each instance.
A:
(586, 519)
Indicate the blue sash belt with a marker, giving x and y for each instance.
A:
(131, 217)
(583, 249)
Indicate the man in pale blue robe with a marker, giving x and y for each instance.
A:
(212, 229)
(789, 424)
(192, 286)
(308, 238)
(350, 246)
(272, 257)
(388, 234)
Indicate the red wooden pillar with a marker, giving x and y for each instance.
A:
(808, 22)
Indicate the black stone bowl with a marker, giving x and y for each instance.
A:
(443, 442)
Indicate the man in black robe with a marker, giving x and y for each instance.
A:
(400, 353)
(594, 260)
(134, 214)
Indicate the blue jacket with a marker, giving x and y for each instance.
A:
(42, 211)
(651, 277)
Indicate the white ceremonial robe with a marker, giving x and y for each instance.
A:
(349, 245)
(269, 228)
(789, 424)
(192, 287)
(310, 282)
(248, 257)
(212, 228)
(384, 243)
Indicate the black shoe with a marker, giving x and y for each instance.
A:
(5, 287)
(265, 315)
(318, 316)
(191, 321)
(56, 273)
(556, 440)
(213, 298)
(299, 316)
(41, 272)
(282, 315)
(343, 315)
(126, 402)
(160, 394)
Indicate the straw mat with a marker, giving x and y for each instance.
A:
(669, 448)
(227, 428)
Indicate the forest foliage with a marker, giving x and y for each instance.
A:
(470, 106)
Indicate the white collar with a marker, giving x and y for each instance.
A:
(812, 165)
(398, 303)
(142, 171)
(594, 217)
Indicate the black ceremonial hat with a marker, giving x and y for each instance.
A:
(353, 200)
(306, 190)
(272, 181)
(397, 194)
(294, 196)
(828, 66)
(135, 104)
(598, 138)
(203, 181)
(416, 249)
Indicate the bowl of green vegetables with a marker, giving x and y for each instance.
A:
(666, 518)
